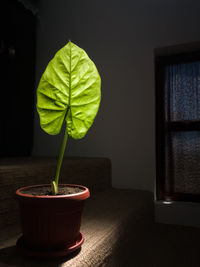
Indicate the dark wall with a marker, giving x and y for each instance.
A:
(17, 71)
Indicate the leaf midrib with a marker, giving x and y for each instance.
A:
(70, 67)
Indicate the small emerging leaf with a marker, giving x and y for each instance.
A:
(69, 90)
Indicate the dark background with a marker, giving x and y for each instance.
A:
(17, 72)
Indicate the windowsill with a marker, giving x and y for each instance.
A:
(180, 213)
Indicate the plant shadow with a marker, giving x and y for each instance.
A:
(10, 256)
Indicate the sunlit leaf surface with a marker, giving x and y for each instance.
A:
(69, 90)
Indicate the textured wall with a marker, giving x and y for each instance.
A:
(119, 37)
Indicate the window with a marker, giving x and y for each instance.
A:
(178, 126)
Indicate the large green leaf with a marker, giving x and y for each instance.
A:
(69, 90)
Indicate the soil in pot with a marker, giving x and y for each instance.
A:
(46, 191)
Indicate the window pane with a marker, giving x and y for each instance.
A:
(182, 92)
(185, 163)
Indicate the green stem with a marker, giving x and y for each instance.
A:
(60, 159)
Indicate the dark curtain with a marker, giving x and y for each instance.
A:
(182, 146)
(182, 92)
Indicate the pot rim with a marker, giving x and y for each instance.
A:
(77, 196)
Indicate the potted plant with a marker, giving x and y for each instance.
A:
(68, 96)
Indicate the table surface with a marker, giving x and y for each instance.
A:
(108, 218)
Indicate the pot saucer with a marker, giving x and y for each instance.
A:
(49, 254)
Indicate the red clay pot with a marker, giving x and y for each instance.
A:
(51, 223)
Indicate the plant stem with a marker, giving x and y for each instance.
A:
(60, 159)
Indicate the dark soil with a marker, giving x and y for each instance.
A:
(46, 190)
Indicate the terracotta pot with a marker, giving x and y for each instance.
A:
(51, 223)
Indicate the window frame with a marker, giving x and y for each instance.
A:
(162, 58)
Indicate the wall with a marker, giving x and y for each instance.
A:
(119, 36)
